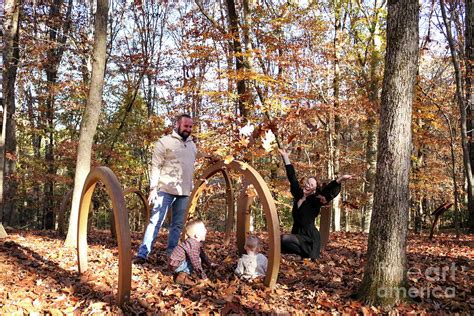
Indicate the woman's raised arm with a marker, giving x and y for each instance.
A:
(285, 156)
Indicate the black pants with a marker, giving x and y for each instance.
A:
(291, 245)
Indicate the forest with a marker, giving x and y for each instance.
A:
(379, 89)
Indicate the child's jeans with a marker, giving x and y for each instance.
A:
(185, 267)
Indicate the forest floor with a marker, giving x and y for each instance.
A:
(39, 276)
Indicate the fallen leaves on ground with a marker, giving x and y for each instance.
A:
(39, 275)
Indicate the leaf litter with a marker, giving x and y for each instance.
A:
(39, 275)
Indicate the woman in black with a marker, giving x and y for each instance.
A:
(304, 239)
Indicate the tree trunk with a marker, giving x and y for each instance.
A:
(11, 55)
(469, 35)
(371, 138)
(462, 109)
(384, 281)
(453, 171)
(371, 84)
(239, 59)
(90, 118)
(334, 132)
(247, 27)
(54, 59)
(426, 211)
(34, 199)
(417, 220)
(371, 160)
(330, 165)
(48, 212)
(417, 166)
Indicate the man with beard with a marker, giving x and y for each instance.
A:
(171, 181)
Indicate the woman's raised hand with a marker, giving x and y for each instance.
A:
(283, 152)
(285, 156)
(322, 199)
(345, 177)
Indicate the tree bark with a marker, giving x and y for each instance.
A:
(418, 166)
(239, 59)
(384, 280)
(11, 55)
(418, 216)
(462, 109)
(371, 161)
(34, 199)
(370, 58)
(371, 138)
(54, 56)
(469, 53)
(91, 116)
(335, 123)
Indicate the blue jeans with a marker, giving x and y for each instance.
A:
(162, 202)
(185, 267)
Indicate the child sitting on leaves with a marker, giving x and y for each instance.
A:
(189, 255)
(252, 264)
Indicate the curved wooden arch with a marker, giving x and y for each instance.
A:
(230, 206)
(252, 177)
(114, 190)
(146, 210)
(146, 206)
(199, 189)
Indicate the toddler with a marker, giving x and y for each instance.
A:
(189, 255)
(252, 264)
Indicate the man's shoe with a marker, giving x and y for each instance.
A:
(138, 260)
(184, 279)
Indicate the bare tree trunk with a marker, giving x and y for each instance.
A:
(34, 201)
(151, 19)
(384, 281)
(371, 160)
(453, 170)
(417, 165)
(452, 133)
(462, 109)
(11, 54)
(334, 132)
(54, 59)
(239, 60)
(371, 84)
(247, 27)
(330, 161)
(91, 116)
(417, 222)
(371, 139)
(469, 53)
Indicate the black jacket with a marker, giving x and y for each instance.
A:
(305, 215)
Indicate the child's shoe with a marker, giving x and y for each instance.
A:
(184, 279)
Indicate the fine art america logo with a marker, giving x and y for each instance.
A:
(431, 274)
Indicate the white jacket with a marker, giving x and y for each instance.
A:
(250, 266)
(172, 164)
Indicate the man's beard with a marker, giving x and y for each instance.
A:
(184, 135)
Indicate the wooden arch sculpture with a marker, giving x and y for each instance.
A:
(146, 206)
(199, 189)
(145, 211)
(114, 190)
(251, 177)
